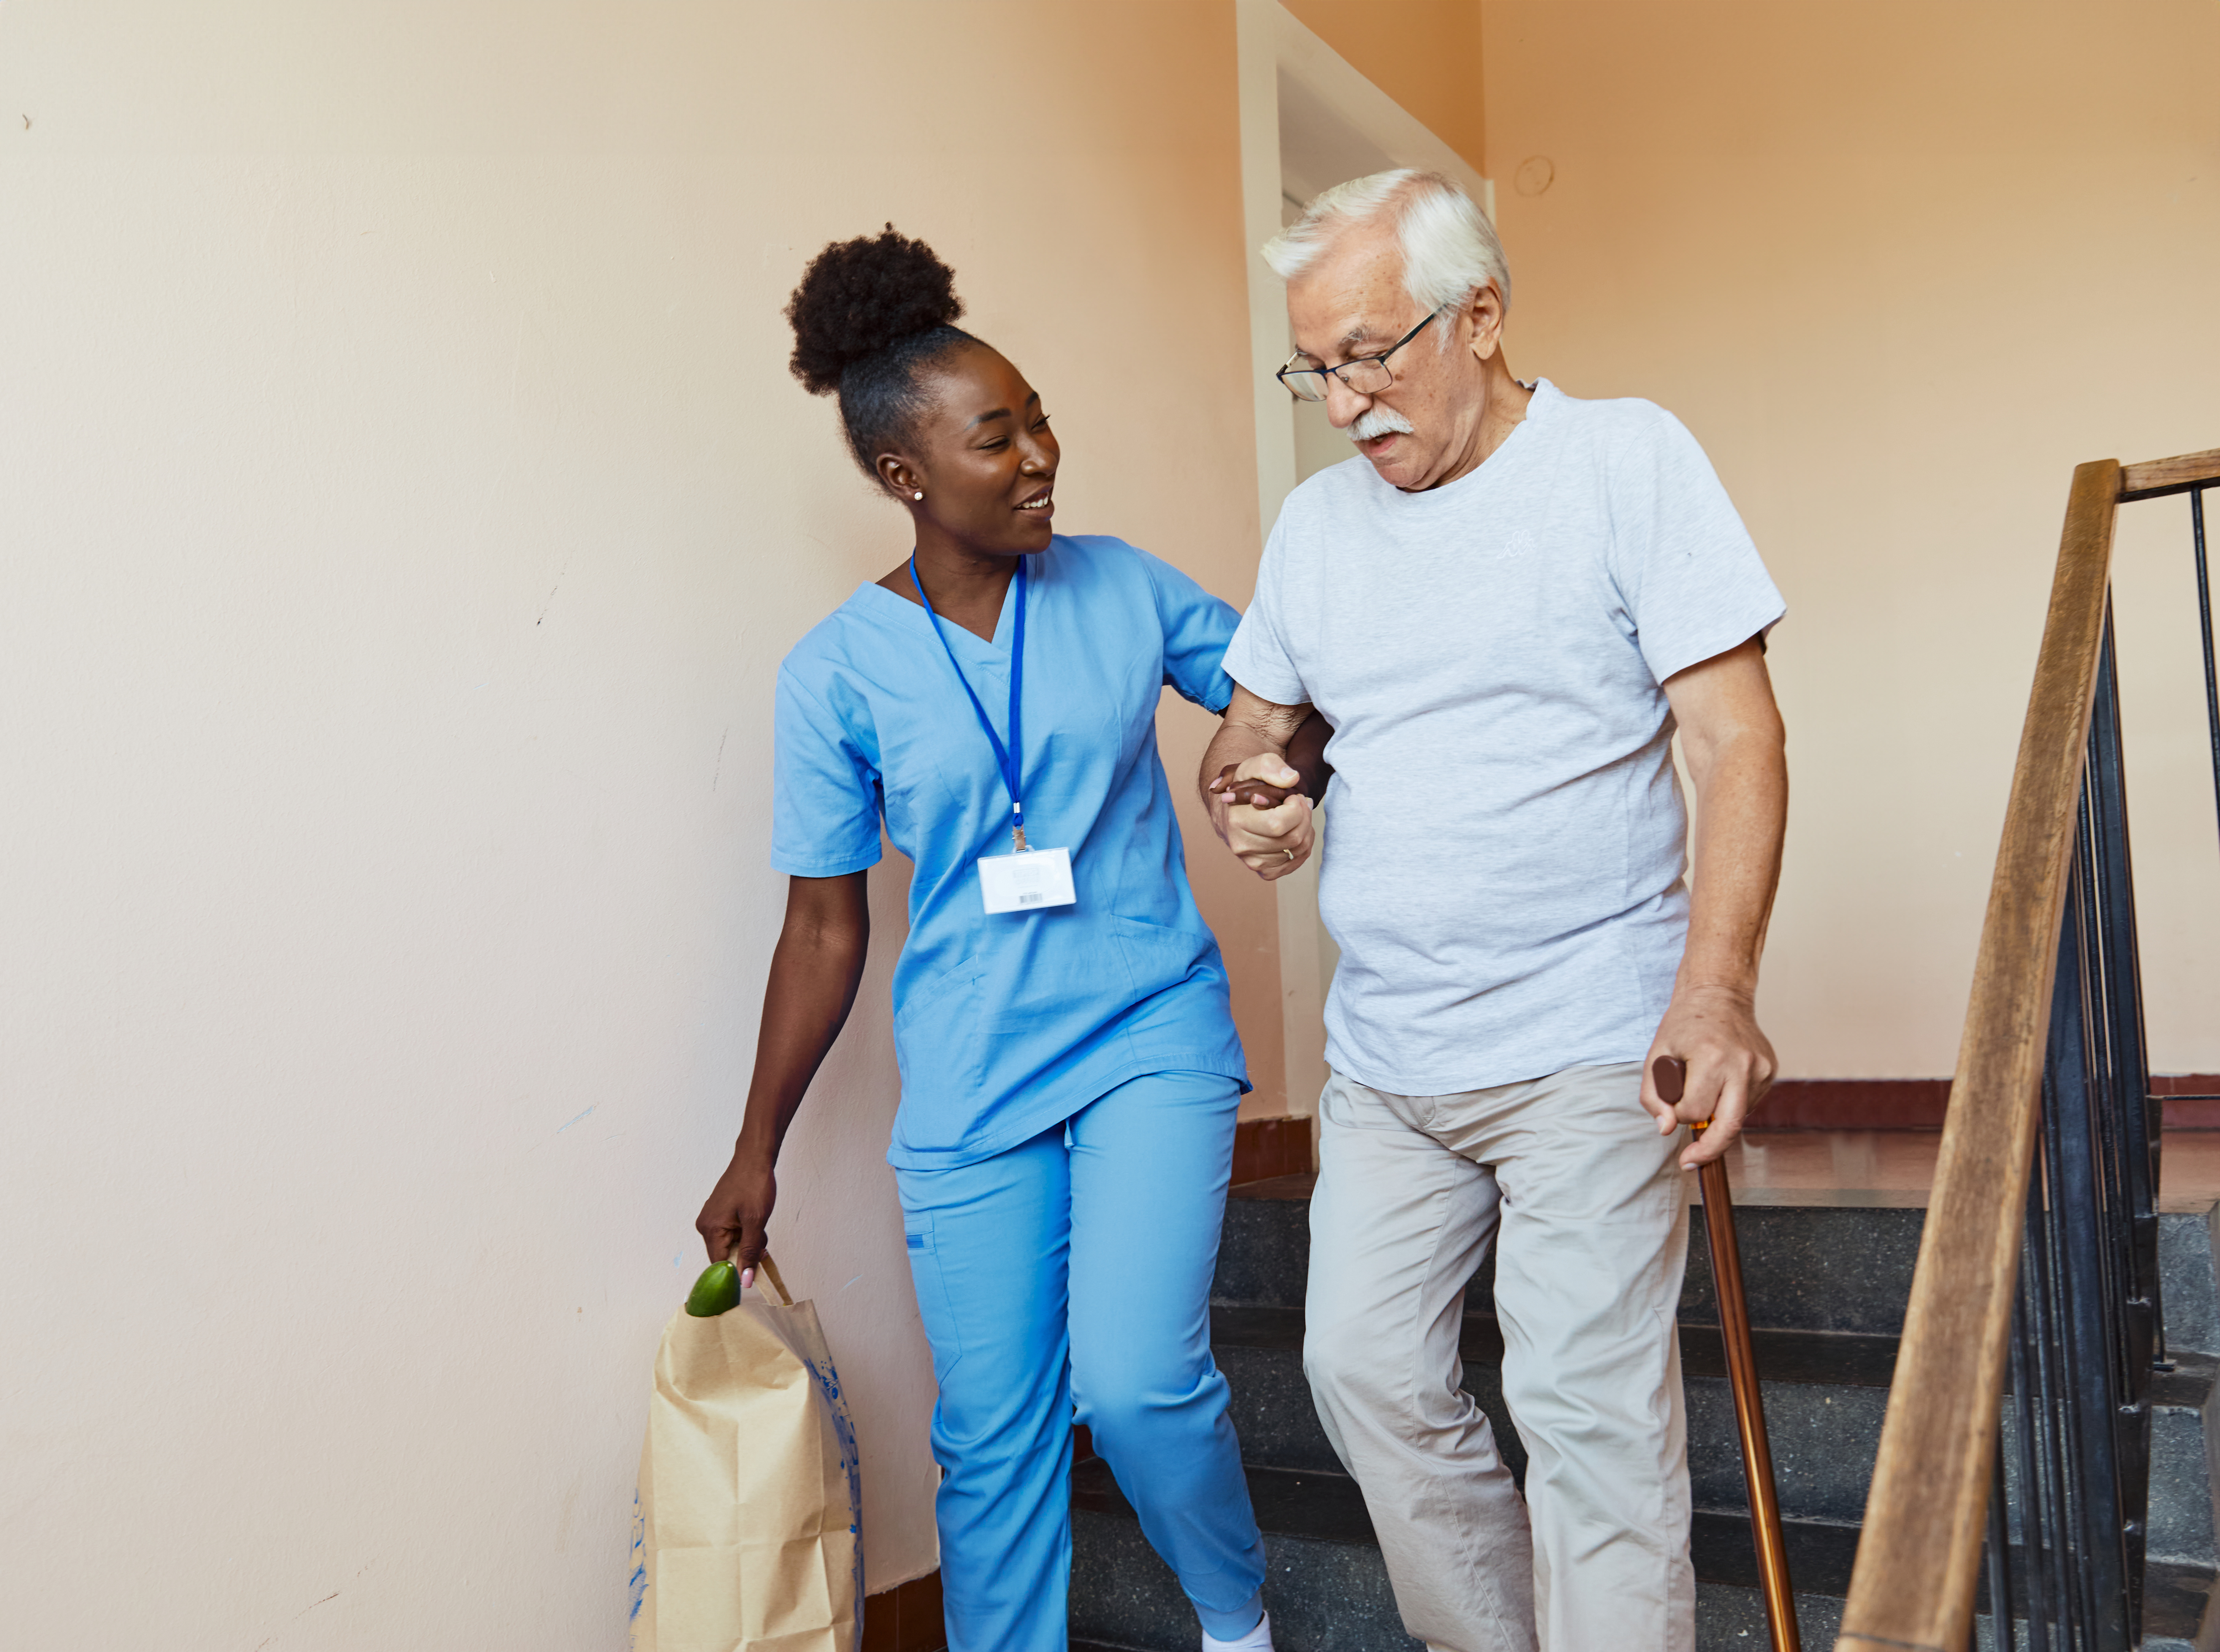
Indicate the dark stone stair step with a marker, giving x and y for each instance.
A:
(1329, 1508)
(1854, 1359)
(1328, 1587)
(1805, 1267)
(1823, 1433)
(1324, 1596)
(1727, 1620)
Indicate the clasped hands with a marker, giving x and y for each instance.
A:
(1257, 808)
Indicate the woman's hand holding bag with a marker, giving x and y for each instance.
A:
(734, 1217)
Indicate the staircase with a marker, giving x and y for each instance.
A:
(1826, 1285)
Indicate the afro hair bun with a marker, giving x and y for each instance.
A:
(858, 296)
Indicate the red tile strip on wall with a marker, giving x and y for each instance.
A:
(905, 1618)
(1264, 1148)
(1919, 1103)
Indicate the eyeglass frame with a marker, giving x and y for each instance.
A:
(1381, 360)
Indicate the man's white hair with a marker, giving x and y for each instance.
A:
(1449, 249)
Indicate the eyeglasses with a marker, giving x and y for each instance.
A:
(1367, 375)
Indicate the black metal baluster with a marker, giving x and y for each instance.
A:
(2085, 1324)
(1996, 1555)
(2035, 1563)
(2204, 617)
(2049, 1497)
(2130, 1122)
(2136, 1112)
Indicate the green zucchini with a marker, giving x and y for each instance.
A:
(716, 1292)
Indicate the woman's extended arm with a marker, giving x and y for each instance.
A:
(814, 972)
(1306, 756)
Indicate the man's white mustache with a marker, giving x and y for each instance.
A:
(1379, 422)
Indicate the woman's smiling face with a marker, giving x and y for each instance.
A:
(986, 459)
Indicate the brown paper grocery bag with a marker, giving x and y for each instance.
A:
(747, 1532)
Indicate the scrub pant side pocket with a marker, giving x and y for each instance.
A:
(931, 1288)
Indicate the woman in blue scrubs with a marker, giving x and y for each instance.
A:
(1071, 1073)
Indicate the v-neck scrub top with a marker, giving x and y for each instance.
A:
(1009, 1024)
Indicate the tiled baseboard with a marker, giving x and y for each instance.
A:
(905, 1618)
(1853, 1104)
(1264, 1148)
(2201, 1114)
(1919, 1103)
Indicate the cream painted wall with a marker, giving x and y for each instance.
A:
(1900, 268)
(405, 506)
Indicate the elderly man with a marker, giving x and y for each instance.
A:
(1504, 608)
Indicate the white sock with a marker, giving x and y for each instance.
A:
(1258, 1639)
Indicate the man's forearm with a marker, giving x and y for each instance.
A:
(1233, 744)
(1731, 733)
(1742, 813)
(1253, 727)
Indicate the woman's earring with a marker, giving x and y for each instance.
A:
(917, 495)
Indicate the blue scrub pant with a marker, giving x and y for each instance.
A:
(1074, 1270)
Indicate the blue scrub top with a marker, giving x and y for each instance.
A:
(1007, 1025)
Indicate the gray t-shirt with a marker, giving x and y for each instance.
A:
(1505, 836)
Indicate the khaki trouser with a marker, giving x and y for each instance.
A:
(1569, 1178)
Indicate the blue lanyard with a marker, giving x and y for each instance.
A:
(1010, 759)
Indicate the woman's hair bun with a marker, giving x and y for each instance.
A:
(858, 296)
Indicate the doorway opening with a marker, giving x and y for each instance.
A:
(1309, 120)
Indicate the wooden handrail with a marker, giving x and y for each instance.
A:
(1919, 1555)
(2155, 477)
(1914, 1584)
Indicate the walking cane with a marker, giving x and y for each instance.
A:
(1671, 1075)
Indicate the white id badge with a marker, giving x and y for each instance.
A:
(1027, 882)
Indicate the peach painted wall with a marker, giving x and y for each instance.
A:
(1900, 267)
(1425, 55)
(405, 507)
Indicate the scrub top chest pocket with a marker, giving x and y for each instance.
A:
(1027, 879)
